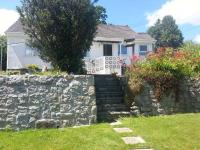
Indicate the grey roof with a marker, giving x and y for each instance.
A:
(115, 31)
(16, 27)
(144, 36)
(105, 31)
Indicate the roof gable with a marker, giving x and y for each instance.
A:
(16, 27)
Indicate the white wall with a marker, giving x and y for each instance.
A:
(16, 53)
(97, 50)
(17, 58)
(137, 47)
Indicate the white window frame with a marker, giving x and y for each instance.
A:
(143, 52)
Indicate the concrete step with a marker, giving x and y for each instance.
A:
(112, 107)
(108, 94)
(107, 80)
(106, 89)
(105, 84)
(109, 101)
(112, 115)
(105, 77)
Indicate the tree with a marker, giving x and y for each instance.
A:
(101, 15)
(61, 31)
(167, 33)
(3, 47)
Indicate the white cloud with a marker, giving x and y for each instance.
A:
(184, 12)
(197, 39)
(7, 18)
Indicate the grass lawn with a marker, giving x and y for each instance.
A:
(97, 137)
(178, 132)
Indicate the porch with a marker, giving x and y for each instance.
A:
(105, 65)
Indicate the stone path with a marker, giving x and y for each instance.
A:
(133, 140)
(115, 123)
(122, 130)
(128, 140)
(142, 149)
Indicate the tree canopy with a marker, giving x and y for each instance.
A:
(61, 31)
(3, 47)
(101, 14)
(167, 33)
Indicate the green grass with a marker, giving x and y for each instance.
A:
(177, 132)
(97, 137)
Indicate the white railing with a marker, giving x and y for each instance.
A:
(104, 65)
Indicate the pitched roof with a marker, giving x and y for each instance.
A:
(104, 31)
(115, 31)
(16, 27)
(144, 36)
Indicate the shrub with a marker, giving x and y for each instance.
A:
(33, 68)
(163, 69)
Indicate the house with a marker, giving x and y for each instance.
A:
(113, 46)
(19, 55)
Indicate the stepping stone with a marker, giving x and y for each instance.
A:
(142, 149)
(123, 130)
(115, 123)
(82, 126)
(133, 140)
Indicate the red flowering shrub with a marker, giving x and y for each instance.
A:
(163, 69)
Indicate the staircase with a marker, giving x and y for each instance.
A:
(109, 97)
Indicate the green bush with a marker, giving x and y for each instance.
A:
(33, 68)
(163, 69)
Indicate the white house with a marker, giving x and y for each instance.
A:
(112, 46)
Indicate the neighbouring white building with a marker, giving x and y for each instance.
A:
(113, 46)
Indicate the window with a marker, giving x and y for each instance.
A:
(107, 50)
(143, 50)
(123, 49)
(30, 52)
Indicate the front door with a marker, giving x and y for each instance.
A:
(133, 50)
(107, 50)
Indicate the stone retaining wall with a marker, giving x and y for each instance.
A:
(40, 101)
(188, 100)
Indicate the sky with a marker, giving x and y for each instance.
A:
(138, 14)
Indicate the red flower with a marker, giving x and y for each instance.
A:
(135, 58)
(179, 55)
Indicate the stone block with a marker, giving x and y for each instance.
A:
(92, 119)
(22, 119)
(3, 110)
(2, 123)
(2, 80)
(47, 123)
(94, 110)
(64, 116)
(91, 91)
